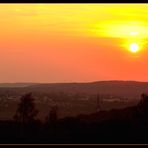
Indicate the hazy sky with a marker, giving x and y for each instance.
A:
(73, 42)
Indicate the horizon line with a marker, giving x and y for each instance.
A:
(70, 82)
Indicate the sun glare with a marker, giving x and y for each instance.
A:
(134, 33)
(134, 47)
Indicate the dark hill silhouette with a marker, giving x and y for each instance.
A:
(123, 126)
(128, 125)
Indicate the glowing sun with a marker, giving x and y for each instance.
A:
(134, 47)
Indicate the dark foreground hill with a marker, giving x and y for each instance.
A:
(128, 125)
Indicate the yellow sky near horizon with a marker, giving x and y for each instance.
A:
(71, 17)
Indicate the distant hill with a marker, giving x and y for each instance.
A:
(119, 88)
(16, 84)
(115, 88)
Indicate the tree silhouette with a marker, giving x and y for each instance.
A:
(52, 117)
(26, 111)
(143, 105)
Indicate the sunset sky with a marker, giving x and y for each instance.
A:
(73, 42)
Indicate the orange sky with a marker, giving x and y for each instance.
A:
(73, 42)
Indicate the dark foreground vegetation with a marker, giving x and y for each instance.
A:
(128, 125)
